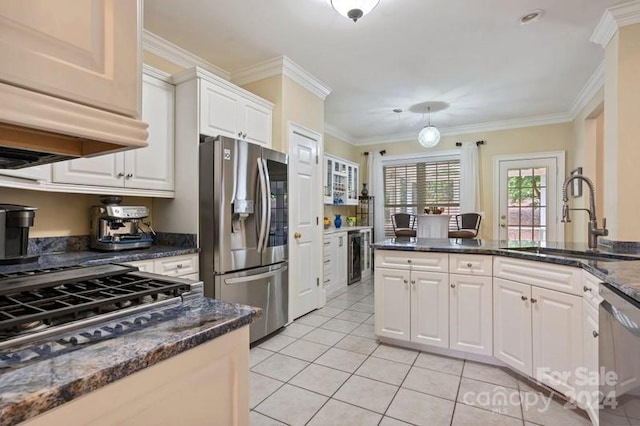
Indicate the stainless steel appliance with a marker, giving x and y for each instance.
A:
(115, 227)
(87, 304)
(354, 249)
(15, 221)
(244, 228)
(619, 354)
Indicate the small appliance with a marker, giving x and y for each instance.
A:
(15, 221)
(115, 227)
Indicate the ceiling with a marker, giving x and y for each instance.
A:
(473, 59)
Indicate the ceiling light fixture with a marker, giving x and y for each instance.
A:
(354, 9)
(531, 16)
(429, 136)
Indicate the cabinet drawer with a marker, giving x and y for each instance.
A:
(177, 266)
(417, 261)
(591, 289)
(195, 276)
(142, 265)
(470, 264)
(540, 274)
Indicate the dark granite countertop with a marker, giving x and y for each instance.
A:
(94, 257)
(622, 275)
(34, 387)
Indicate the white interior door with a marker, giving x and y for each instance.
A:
(528, 197)
(305, 236)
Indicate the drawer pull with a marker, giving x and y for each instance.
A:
(408, 260)
(453, 286)
(179, 266)
(469, 265)
(524, 298)
(585, 288)
(595, 333)
(327, 261)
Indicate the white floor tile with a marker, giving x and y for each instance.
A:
(365, 330)
(538, 408)
(277, 342)
(361, 345)
(362, 307)
(312, 319)
(280, 367)
(257, 419)
(353, 316)
(261, 387)
(291, 405)
(394, 353)
(341, 360)
(432, 382)
(340, 304)
(489, 373)
(487, 396)
(325, 337)
(296, 330)
(388, 421)
(384, 370)
(421, 409)
(328, 311)
(469, 416)
(339, 325)
(440, 363)
(367, 393)
(304, 349)
(257, 355)
(336, 413)
(320, 379)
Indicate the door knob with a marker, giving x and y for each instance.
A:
(502, 225)
(503, 217)
(297, 235)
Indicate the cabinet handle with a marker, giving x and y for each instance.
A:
(406, 283)
(408, 260)
(413, 282)
(533, 300)
(179, 266)
(524, 298)
(453, 286)
(327, 261)
(595, 333)
(469, 265)
(120, 175)
(244, 135)
(239, 134)
(129, 175)
(585, 288)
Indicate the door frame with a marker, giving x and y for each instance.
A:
(560, 173)
(318, 206)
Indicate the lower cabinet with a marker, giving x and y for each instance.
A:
(392, 303)
(430, 308)
(185, 266)
(538, 332)
(470, 316)
(208, 384)
(335, 258)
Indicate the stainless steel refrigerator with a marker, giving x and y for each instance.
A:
(244, 228)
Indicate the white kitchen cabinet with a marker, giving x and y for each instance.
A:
(327, 263)
(470, 316)
(83, 51)
(341, 179)
(184, 266)
(37, 173)
(335, 261)
(208, 384)
(149, 168)
(430, 308)
(587, 398)
(228, 111)
(392, 303)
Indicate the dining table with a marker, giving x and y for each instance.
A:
(433, 225)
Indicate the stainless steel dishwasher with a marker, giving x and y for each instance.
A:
(354, 267)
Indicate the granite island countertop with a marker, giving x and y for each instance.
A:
(623, 275)
(32, 387)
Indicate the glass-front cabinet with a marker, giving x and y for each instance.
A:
(340, 181)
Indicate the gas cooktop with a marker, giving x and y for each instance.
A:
(37, 304)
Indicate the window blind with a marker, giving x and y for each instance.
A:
(412, 187)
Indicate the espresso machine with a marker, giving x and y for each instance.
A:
(115, 227)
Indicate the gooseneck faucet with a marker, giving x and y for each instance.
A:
(594, 231)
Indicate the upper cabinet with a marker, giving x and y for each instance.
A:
(83, 51)
(145, 169)
(70, 83)
(341, 179)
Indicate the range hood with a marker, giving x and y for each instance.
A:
(36, 129)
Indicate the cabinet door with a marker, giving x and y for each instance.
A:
(430, 308)
(557, 338)
(328, 180)
(40, 173)
(219, 111)
(255, 123)
(588, 397)
(340, 258)
(352, 185)
(471, 314)
(512, 324)
(152, 167)
(328, 252)
(392, 303)
(104, 170)
(85, 51)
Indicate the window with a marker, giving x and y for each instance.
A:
(411, 187)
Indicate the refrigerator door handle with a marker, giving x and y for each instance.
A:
(248, 278)
(263, 210)
(265, 170)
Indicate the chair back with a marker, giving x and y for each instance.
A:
(469, 221)
(403, 220)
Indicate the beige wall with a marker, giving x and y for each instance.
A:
(342, 149)
(556, 137)
(60, 214)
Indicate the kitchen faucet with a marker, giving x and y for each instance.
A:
(594, 231)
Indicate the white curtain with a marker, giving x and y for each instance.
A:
(469, 178)
(376, 189)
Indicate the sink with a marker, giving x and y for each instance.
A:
(571, 254)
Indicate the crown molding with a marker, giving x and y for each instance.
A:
(175, 54)
(595, 83)
(613, 18)
(281, 66)
(155, 72)
(332, 130)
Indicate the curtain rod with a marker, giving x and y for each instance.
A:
(383, 152)
(478, 143)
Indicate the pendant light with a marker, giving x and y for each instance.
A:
(354, 9)
(429, 136)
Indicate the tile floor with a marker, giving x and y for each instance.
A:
(327, 368)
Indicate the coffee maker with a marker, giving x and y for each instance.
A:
(15, 221)
(115, 227)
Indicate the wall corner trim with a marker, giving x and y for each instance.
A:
(614, 18)
(334, 131)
